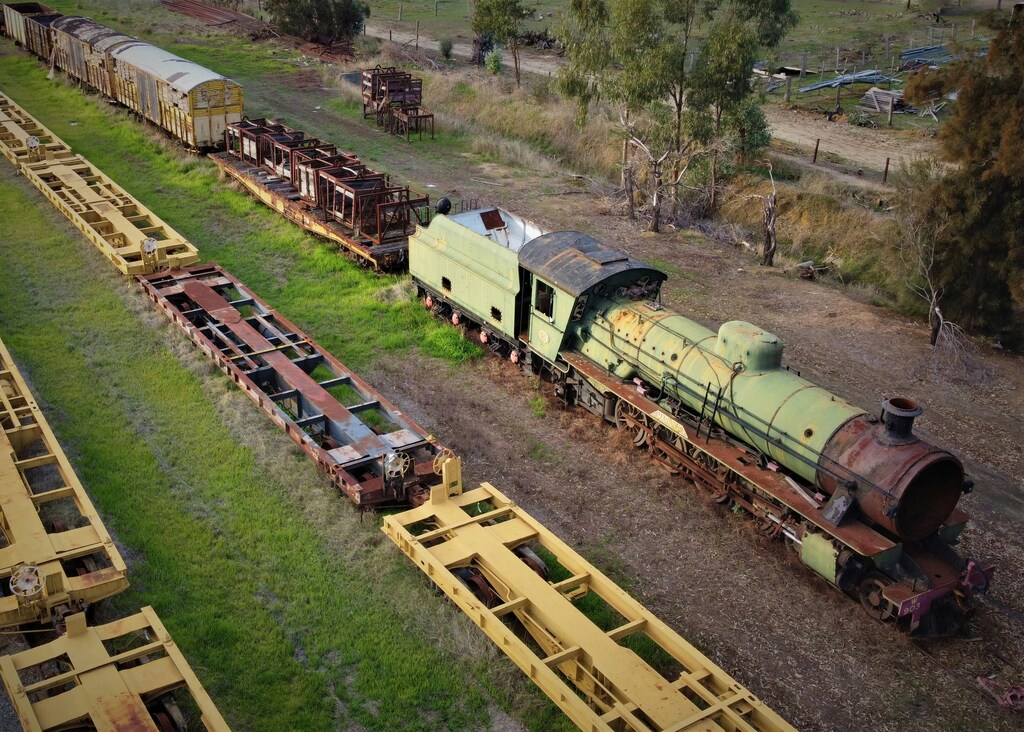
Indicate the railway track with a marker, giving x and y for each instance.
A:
(474, 544)
(219, 16)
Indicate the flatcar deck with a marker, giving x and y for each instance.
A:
(56, 555)
(131, 236)
(279, 194)
(108, 677)
(368, 447)
(475, 540)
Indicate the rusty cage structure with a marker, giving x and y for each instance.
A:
(395, 99)
(325, 190)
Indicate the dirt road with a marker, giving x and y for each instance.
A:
(864, 147)
(529, 62)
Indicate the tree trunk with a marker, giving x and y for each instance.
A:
(515, 61)
(770, 240)
(655, 225)
(627, 173)
(935, 320)
(713, 199)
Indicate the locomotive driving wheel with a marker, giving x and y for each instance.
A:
(871, 597)
(628, 417)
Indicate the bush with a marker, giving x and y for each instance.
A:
(445, 46)
(494, 62)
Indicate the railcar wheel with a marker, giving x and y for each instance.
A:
(532, 561)
(443, 456)
(871, 598)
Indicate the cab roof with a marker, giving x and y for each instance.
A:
(576, 262)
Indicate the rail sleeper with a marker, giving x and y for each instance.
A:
(471, 545)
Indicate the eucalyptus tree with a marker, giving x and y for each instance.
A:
(502, 20)
(642, 55)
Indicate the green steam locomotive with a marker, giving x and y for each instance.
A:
(869, 506)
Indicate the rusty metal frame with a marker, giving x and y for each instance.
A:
(291, 377)
(98, 686)
(58, 568)
(324, 190)
(372, 84)
(591, 673)
(403, 121)
(132, 237)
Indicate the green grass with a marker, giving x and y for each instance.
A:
(298, 274)
(272, 618)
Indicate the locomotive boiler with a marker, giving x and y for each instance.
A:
(869, 505)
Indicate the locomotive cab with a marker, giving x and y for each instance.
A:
(567, 272)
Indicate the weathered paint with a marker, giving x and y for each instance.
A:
(597, 680)
(131, 236)
(291, 378)
(111, 689)
(64, 569)
(819, 553)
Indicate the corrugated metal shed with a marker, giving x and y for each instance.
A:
(98, 36)
(575, 262)
(182, 75)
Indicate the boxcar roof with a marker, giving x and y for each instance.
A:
(182, 75)
(95, 34)
(575, 262)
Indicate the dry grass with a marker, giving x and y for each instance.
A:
(531, 127)
(820, 219)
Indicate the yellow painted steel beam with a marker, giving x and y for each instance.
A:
(593, 676)
(112, 676)
(23, 139)
(131, 236)
(57, 568)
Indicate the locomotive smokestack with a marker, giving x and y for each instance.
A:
(898, 416)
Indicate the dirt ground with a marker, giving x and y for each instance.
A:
(807, 650)
(865, 148)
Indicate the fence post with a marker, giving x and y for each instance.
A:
(417, 35)
(816, 144)
(789, 88)
(885, 175)
(400, 7)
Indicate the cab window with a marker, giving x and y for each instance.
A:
(544, 300)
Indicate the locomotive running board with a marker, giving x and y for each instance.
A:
(857, 536)
(300, 387)
(612, 687)
(115, 691)
(52, 568)
(132, 237)
(751, 485)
